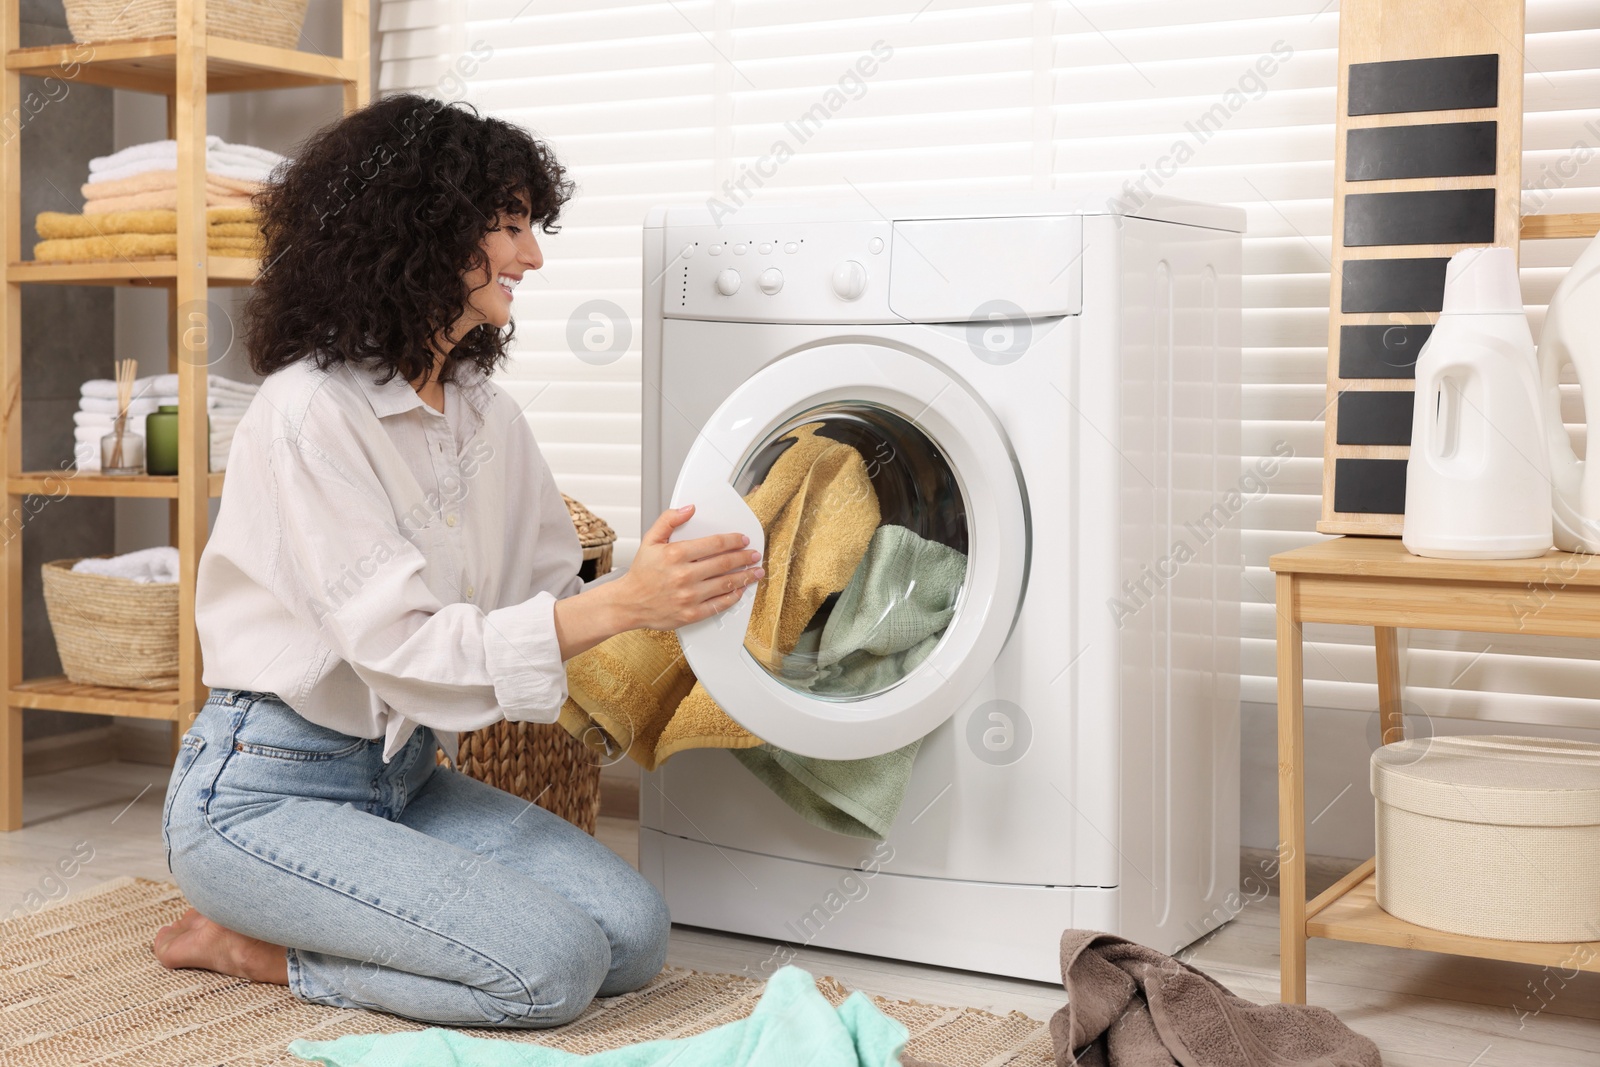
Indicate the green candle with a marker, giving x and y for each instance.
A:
(161, 432)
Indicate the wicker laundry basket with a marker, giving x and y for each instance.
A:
(270, 22)
(540, 761)
(112, 631)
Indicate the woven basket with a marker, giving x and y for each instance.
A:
(540, 761)
(270, 22)
(112, 631)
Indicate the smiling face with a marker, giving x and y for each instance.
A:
(511, 251)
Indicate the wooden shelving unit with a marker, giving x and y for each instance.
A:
(184, 68)
(1374, 581)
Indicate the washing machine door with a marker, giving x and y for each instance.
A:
(892, 521)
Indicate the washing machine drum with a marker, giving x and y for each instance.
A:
(891, 519)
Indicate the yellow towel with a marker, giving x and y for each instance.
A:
(818, 510)
(153, 180)
(157, 200)
(126, 245)
(220, 222)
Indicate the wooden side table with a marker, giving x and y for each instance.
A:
(1374, 581)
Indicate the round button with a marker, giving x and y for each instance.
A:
(766, 248)
(714, 250)
(728, 282)
(688, 250)
(875, 245)
(740, 249)
(771, 280)
(470, 591)
(450, 520)
(791, 248)
(849, 280)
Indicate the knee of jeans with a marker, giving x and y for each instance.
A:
(641, 927)
(556, 985)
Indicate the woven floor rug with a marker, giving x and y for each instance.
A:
(79, 986)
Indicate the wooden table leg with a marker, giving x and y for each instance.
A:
(1291, 795)
(1391, 713)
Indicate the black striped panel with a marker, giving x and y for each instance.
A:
(1378, 285)
(1442, 84)
(1419, 217)
(1436, 150)
(1374, 418)
(1369, 486)
(1386, 350)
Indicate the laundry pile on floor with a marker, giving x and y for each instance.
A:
(226, 401)
(131, 200)
(638, 690)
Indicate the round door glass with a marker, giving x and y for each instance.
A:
(866, 549)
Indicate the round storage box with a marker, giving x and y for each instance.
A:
(1490, 836)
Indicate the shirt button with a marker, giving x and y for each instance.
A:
(470, 591)
(449, 520)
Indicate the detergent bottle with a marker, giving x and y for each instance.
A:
(1572, 335)
(1478, 480)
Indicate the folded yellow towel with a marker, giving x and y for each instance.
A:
(126, 245)
(159, 199)
(818, 510)
(220, 222)
(153, 180)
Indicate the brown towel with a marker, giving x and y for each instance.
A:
(127, 245)
(1131, 1006)
(220, 222)
(818, 510)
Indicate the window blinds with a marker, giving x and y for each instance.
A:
(1222, 100)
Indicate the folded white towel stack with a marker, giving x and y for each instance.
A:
(159, 564)
(226, 401)
(229, 160)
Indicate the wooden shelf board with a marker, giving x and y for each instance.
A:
(1536, 227)
(56, 693)
(138, 270)
(1355, 916)
(92, 483)
(149, 65)
(1386, 557)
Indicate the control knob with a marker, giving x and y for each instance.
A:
(849, 280)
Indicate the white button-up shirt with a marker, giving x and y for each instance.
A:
(378, 564)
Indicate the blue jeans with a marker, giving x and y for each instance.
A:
(408, 888)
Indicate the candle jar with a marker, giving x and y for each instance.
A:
(162, 430)
(122, 453)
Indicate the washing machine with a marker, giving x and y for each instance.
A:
(1048, 385)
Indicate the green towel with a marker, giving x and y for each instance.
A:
(792, 1024)
(886, 621)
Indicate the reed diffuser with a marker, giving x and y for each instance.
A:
(122, 450)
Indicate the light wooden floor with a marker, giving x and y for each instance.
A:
(1423, 1010)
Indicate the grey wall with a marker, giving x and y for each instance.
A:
(67, 336)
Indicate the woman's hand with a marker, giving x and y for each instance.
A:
(668, 585)
(673, 583)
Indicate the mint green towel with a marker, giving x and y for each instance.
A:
(792, 1024)
(886, 621)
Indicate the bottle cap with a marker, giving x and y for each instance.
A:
(1482, 281)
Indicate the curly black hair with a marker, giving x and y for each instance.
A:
(371, 225)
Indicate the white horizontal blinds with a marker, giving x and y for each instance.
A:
(652, 102)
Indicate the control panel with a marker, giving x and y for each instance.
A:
(926, 270)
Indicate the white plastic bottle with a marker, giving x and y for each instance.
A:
(1478, 480)
(1572, 335)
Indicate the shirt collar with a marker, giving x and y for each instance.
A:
(397, 395)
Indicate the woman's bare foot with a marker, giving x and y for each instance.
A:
(195, 941)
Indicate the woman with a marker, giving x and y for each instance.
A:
(392, 564)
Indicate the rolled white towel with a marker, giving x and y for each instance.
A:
(216, 383)
(147, 565)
